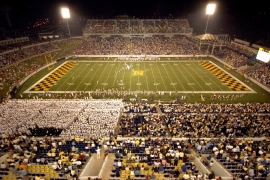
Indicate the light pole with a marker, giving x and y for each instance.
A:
(66, 15)
(210, 9)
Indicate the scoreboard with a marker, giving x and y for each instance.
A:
(263, 55)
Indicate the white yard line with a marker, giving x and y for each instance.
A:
(153, 75)
(138, 82)
(116, 75)
(208, 77)
(101, 74)
(108, 75)
(176, 75)
(73, 80)
(199, 75)
(161, 77)
(66, 80)
(124, 76)
(130, 76)
(145, 77)
(168, 76)
(86, 66)
(192, 77)
(184, 76)
(93, 74)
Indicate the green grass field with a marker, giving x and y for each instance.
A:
(164, 79)
(139, 76)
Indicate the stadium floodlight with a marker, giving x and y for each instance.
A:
(210, 9)
(66, 15)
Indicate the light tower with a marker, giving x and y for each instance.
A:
(66, 15)
(210, 9)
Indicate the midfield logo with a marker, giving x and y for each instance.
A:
(137, 73)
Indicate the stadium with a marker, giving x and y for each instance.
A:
(135, 99)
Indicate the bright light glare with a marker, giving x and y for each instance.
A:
(210, 9)
(263, 56)
(65, 13)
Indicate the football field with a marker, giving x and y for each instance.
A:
(139, 76)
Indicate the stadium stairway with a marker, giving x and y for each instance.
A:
(98, 164)
(93, 167)
(158, 110)
(108, 167)
(118, 122)
(161, 115)
(3, 157)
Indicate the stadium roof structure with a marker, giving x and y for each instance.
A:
(210, 37)
(214, 40)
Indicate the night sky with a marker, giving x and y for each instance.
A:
(248, 20)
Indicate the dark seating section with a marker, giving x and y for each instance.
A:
(243, 158)
(135, 154)
(138, 124)
(47, 158)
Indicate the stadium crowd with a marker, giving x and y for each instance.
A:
(43, 157)
(142, 125)
(160, 158)
(261, 74)
(68, 118)
(135, 26)
(243, 158)
(234, 56)
(157, 45)
(80, 126)
(17, 64)
(232, 120)
(79, 118)
(27, 60)
(7, 58)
